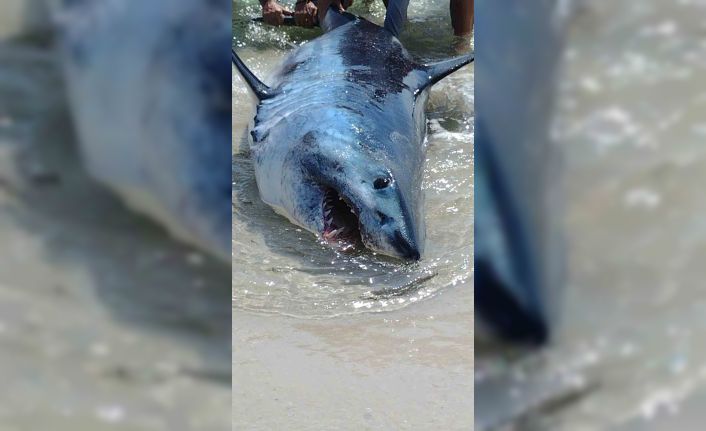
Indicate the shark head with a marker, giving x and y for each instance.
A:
(351, 198)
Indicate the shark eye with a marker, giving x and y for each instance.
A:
(381, 183)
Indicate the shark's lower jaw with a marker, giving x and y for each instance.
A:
(341, 223)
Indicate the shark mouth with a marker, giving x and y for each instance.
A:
(341, 223)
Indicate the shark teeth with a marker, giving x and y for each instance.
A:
(333, 235)
(339, 227)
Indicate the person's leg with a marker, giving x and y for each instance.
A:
(462, 17)
(396, 15)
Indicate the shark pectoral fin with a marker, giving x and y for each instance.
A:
(435, 72)
(261, 90)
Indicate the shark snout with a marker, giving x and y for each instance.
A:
(407, 249)
(514, 314)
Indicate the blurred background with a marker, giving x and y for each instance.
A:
(628, 352)
(106, 322)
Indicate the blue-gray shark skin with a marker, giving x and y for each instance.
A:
(148, 85)
(338, 139)
(518, 256)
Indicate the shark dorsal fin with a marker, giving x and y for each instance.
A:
(435, 72)
(261, 90)
(335, 18)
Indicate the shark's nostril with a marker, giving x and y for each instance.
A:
(384, 219)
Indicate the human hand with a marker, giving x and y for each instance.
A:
(305, 13)
(273, 13)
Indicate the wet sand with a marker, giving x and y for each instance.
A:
(411, 369)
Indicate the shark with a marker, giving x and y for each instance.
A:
(338, 138)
